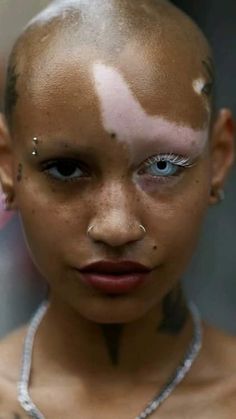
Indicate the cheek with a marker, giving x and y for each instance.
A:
(175, 219)
(53, 228)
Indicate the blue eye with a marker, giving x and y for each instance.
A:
(64, 169)
(166, 165)
(162, 168)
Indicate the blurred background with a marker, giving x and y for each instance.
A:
(211, 278)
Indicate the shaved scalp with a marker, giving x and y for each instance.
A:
(102, 28)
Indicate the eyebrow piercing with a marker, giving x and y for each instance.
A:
(35, 143)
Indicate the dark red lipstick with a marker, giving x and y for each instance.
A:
(115, 277)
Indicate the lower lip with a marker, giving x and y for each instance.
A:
(115, 284)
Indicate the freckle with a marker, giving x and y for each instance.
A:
(197, 181)
(33, 211)
(154, 247)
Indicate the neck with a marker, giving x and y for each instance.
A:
(75, 347)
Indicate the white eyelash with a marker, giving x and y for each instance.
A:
(171, 158)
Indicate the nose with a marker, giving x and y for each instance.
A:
(115, 223)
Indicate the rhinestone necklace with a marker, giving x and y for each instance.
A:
(178, 375)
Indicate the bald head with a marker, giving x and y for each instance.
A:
(138, 36)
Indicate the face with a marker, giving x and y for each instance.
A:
(104, 144)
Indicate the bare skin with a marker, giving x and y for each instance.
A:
(96, 355)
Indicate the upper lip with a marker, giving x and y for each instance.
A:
(111, 267)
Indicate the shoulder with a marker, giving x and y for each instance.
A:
(10, 361)
(220, 349)
(216, 372)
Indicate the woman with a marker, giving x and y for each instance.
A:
(111, 152)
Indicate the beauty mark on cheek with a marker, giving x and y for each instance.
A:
(122, 113)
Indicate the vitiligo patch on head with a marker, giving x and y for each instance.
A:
(198, 86)
(122, 113)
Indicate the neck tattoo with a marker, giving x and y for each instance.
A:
(175, 313)
(112, 334)
(182, 369)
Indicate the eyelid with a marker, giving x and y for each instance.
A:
(54, 161)
(178, 160)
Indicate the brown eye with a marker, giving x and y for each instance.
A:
(64, 169)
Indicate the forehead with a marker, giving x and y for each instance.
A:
(160, 74)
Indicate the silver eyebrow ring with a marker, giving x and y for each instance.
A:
(35, 150)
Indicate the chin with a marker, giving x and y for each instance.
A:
(112, 309)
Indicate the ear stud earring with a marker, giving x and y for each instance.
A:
(219, 194)
(8, 199)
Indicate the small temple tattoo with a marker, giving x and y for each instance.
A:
(11, 94)
(175, 313)
(112, 334)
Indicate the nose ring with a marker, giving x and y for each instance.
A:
(142, 228)
(90, 229)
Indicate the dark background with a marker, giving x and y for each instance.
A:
(211, 278)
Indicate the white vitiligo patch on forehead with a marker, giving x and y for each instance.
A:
(123, 115)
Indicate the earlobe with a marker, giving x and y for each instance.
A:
(6, 166)
(222, 153)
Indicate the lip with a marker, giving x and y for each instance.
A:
(115, 277)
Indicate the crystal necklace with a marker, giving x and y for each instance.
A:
(177, 376)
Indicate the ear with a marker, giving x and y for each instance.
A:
(6, 165)
(222, 152)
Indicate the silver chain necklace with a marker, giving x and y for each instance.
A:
(178, 375)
